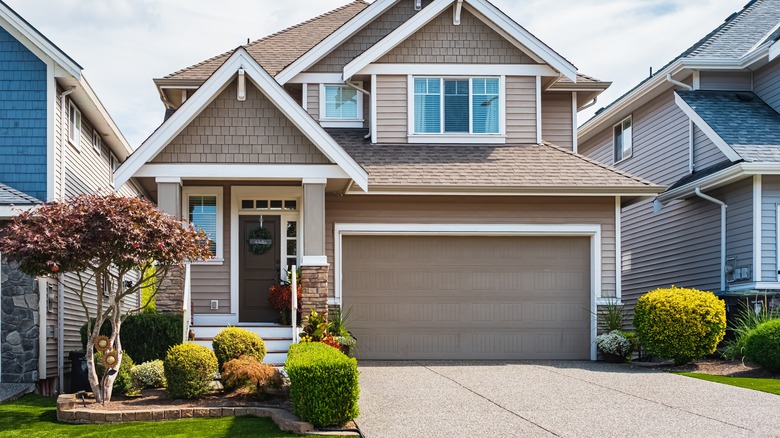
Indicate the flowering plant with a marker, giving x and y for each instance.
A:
(280, 296)
(615, 343)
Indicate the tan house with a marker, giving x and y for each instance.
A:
(418, 161)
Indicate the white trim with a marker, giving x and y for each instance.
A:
(690, 146)
(696, 79)
(777, 243)
(51, 117)
(97, 142)
(168, 180)
(458, 69)
(74, 138)
(314, 261)
(217, 191)
(305, 96)
(618, 250)
(316, 78)
(372, 109)
(211, 89)
(10, 211)
(499, 191)
(774, 51)
(575, 146)
(615, 160)
(706, 129)
(757, 244)
(768, 285)
(211, 319)
(335, 122)
(591, 230)
(455, 139)
(495, 19)
(332, 123)
(538, 92)
(410, 105)
(335, 39)
(314, 181)
(241, 171)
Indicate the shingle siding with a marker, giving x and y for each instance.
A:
(766, 84)
(22, 118)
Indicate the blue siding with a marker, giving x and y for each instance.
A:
(22, 118)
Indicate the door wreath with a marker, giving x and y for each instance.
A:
(260, 241)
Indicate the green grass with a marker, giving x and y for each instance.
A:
(33, 416)
(771, 386)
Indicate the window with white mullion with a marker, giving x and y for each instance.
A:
(456, 105)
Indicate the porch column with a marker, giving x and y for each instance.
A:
(170, 294)
(314, 266)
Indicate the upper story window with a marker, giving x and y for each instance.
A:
(457, 106)
(74, 129)
(623, 139)
(341, 106)
(97, 141)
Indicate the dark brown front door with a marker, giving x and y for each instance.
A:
(257, 272)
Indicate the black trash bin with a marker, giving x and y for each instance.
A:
(78, 372)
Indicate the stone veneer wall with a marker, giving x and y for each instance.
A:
(170, 294)
(20, 319)
(314, 289)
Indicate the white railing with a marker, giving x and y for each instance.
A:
(294, 298)
(187, 299)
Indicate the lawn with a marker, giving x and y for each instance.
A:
(771, 386)
(33, 416)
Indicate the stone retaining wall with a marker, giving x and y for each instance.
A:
(20, 319)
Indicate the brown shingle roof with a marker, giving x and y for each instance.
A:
(276, 51)
(538, 167)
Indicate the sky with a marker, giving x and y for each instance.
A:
(123, 44)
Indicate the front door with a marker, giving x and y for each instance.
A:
(258, 267)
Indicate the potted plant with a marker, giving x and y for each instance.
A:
(280, 297)
(615, 346)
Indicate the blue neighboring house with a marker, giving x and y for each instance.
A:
(56, 140)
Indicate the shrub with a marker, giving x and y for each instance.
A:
(233, 342)
(611, 316)
(745, 321)
(148, 375)
(680, 324)
(146, 336)
(315, 327)
(123, 384)
(323, 384)
(189, 369)
(280, 296)
(614, 343)
(762, 345)
(248, 371)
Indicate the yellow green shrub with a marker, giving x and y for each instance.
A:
(680, 324)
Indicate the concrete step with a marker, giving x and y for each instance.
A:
(271, 344)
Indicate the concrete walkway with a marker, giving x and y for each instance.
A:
(549, 399)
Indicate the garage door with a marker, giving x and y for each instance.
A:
(468, 297)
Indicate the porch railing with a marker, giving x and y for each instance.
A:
(294, 297)
(187, 304)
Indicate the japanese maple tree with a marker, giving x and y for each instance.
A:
(99, 237)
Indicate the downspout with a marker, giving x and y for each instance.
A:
(64, 138)
(456, 15)
(678, 83)
(589, 104)
(367, 94)
(723, 207)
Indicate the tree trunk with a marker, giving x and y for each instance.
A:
(94, 383)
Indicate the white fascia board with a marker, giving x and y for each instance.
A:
(715, 180)
(396, 37)
(459, 69)
(334, 40)
(724, 147)
(774, 51)
(209, 91)
(316, 78)
(36, 41)
(499, 191)
(468, 229)
(241, 171)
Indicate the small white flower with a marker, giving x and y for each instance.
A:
(613, 343)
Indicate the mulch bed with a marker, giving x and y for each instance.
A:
(158, 399)
(724, 368)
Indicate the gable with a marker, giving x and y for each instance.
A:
(254, 131)
(379, 28)
(471, 42)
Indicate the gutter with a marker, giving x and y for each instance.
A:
(717, 179)
(677, 83)
(723, 208)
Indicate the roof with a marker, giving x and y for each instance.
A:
(11, 196)
(484, 166)
(745, 122)
(276, 51)
(700, 174)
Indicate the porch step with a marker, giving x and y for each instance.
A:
(277, 339)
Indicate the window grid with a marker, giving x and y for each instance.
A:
(481, 91)
(341, 102)
(623, 140)
(203, 214)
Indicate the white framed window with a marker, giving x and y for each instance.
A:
(97, 141)
(464, 107)
(203, 208)
(113, 161)
(74, 127)
(341, 106)
(623, 139)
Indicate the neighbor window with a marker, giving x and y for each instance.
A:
(456, 106)
(203, 214)
(97, 142)
(74, 131)
(624, 142)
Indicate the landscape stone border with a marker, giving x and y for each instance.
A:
(70, 410)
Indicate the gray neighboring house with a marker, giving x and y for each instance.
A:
(706, 126)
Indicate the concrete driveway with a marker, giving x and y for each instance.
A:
(548, 399)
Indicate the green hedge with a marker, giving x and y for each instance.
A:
(145, 336)
(189, 369)
(323, 384)
(233, 342)
(762, 345)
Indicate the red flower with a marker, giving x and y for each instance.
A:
(135, 245)
(160, 245)
(55, 268)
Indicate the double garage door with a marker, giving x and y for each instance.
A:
(468, 297)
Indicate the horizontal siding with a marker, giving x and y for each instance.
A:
(725, 80)
(506, 210)
(313, 100)
(770, 186)
(766, 83)
(212, 282)
(521, 109)
(557, 119)
(391, 112)
(739, 220)
(705, 152)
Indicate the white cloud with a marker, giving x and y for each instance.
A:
(123, 44)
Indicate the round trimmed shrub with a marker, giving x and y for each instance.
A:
(189, 369)
(233, 342)
(680, 324)
(148, 375)
(762, 345)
